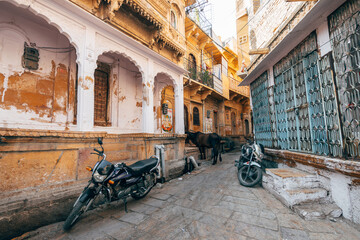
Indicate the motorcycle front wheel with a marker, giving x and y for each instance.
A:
(74, 215)
(249, 178)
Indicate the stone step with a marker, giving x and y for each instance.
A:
(305, 195)
(314, 211)
(290, 178)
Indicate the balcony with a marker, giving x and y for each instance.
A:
(243, 90)
(199, 74)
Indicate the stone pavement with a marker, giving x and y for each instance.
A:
(206, 204)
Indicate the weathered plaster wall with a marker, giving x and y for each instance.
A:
(45, 171)
(267, 20)
(211, 105)
(39, 96)
(340, 178)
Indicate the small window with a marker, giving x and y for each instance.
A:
(247, 127)
(196, 117)
(243, 39)
(173, 19)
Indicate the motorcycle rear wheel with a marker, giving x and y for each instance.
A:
(139, 195)
(74, 215)
(251, 179)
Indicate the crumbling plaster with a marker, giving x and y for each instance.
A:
(92, 38)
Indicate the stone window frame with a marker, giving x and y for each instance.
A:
(173, 19)
(243, 39)
(196, 117)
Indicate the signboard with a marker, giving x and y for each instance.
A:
(167, 121)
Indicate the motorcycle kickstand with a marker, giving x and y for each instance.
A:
(125, 204)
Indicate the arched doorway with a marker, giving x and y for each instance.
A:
(233, 123)
(192, 67)
(38, 83)
(247, 127)
(186, 118)
(164, 103)
(118, 93)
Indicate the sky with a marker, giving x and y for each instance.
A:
(223, 18)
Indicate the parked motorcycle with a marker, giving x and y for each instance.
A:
(115, 182)
(250, 164)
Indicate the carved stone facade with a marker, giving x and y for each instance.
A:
(50, 111)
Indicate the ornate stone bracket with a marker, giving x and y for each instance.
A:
(205, 94)
(194, 90)
(114, 5)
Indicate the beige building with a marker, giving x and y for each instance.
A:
(213, 101)
(72, 71)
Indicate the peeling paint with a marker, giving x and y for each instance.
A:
(86, 83)
(139, 104)
(122, 98)
(53, 69)
(134, 120)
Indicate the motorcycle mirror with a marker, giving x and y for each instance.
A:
(100, 141)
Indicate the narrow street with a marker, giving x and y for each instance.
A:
(206, 204)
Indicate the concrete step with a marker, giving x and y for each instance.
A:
(314, 211)
(304, 195)
(290, 178)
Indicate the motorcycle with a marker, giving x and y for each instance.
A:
(115, 182)
(249, 165)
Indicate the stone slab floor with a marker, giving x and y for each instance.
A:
(206, 204)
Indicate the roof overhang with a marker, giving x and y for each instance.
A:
(316, 16)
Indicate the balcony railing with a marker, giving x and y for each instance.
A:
(199, 74)
(243, 90)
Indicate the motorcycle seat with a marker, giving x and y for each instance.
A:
(142, 166)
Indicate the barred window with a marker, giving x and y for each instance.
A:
(196, 117)
(243, 39)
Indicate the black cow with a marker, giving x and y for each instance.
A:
(206, 140)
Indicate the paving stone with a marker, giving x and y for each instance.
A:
(161, 196)
(257, 221)
(143, 208)
(217, 211)
(319, 227)
(212, 220)
(155, 202)
(240, 208)
(174, 211)
(324, 236)
(290, 221)
(251, 230)
(133, 218)
(242, 201)
(293, 234)
(208, 205)
(200, 230)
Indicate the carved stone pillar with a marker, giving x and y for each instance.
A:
(179, 107)
(85, 95)
(148, 100)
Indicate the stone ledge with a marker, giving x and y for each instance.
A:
(346, 167)
(16, 132)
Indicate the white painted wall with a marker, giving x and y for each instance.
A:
(92, 38)
(342, 191)
(15, 29)
(323, 38)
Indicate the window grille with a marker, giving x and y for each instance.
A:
(344, 27)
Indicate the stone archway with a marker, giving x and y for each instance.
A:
(38, 67)
(120, 93)
(164, 103)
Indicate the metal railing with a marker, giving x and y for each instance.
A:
(199, 74)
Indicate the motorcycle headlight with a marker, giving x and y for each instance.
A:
(97, 177)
